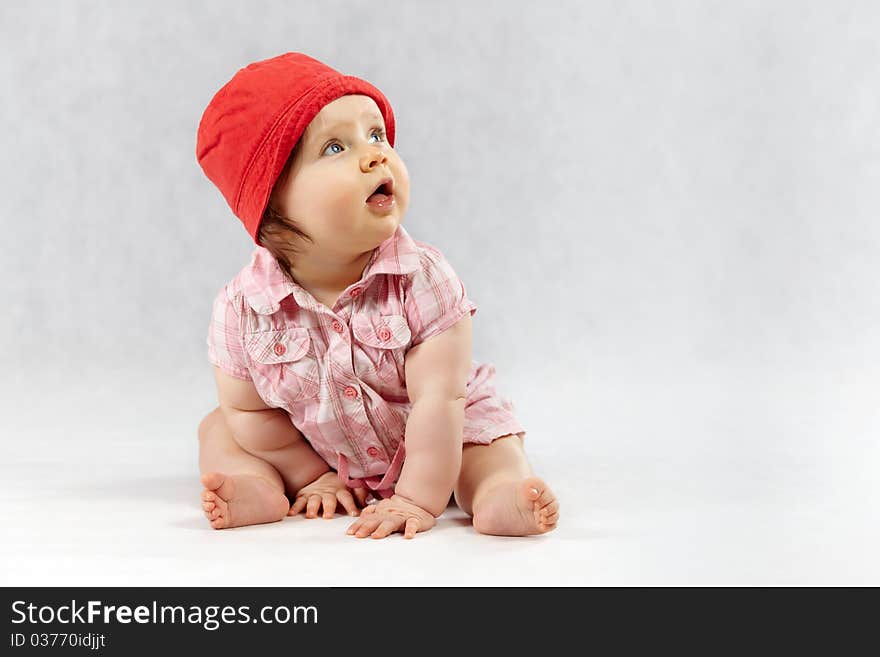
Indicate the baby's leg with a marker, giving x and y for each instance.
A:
(497, 487)
(270, 436)
(240, 489)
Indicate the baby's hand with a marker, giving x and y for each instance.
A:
(326, 490)
(392, 515)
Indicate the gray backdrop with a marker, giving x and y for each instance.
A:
(665, 212)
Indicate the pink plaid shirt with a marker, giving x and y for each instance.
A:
(339, 372)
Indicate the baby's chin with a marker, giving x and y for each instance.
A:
(388, 229)
(387, 223)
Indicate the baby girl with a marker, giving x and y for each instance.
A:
(342, 351)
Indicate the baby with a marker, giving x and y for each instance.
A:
(342, 351)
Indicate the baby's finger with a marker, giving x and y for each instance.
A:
(346, 500)
(368, 527)
(298, 505)
(360, 521)
(313, 505)
(386, 527)
(357, 524)
(329, 500)
(412, 528)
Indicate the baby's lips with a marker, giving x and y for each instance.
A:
(389, 182)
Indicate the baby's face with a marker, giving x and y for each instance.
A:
(343, 156)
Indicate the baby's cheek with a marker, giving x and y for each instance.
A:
(339, 205)
(401, 180)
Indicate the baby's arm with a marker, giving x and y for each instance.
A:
(436, 380)
(267, 432)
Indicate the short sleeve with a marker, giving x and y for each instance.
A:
(435, 297)
(224, 337)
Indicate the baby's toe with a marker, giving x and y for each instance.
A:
(533, 492)
(548, 516)
(212, 480)
(552, 507)
(544, 524)
(546, 497)
(218, 514)
(544, 504)
(537, 492)
(549, 511)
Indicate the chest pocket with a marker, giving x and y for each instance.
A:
(385, 338)
(286, 361)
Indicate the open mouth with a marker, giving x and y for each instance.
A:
(383, 190)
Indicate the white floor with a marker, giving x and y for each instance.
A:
(732, 478)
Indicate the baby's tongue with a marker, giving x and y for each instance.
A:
(377, 198)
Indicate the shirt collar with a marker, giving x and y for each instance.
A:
(264, 284)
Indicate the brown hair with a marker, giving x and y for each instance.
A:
(280, 235)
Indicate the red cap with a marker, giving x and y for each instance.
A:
(253, 122)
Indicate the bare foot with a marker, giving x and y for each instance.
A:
(242, 499)
(517, 508)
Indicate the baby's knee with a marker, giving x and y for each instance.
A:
(209, 423)
(263, 431)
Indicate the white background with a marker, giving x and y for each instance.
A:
(665, 212)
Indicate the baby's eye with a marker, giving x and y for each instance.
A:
(377, 131)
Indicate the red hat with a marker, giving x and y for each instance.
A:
(253, 122)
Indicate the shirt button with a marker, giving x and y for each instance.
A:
(350, 392)
(337, 326)
(280, 349)
(372, 451)
(355, 292)
(384, 334)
